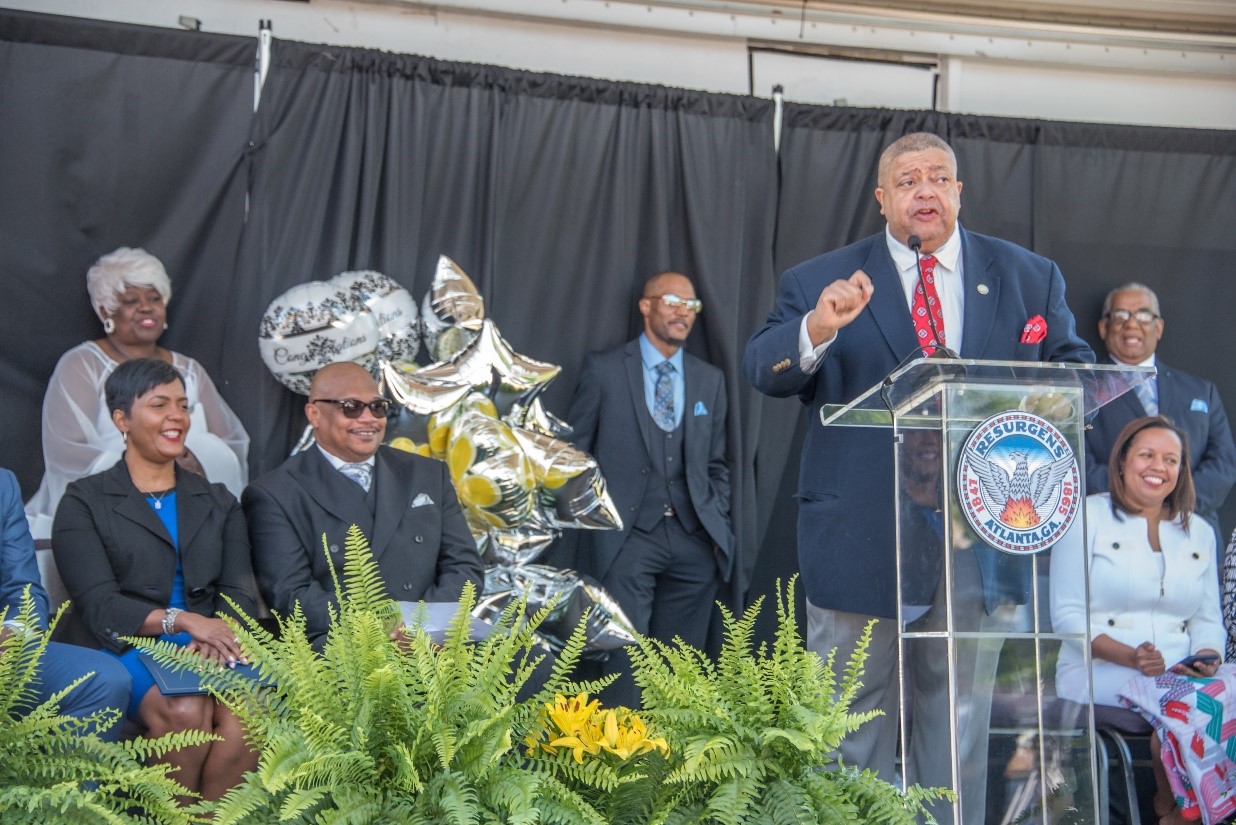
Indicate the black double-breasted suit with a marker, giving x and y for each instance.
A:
(300, 513)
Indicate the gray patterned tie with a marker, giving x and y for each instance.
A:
(361, 473)
(1146, 395)
(663, 397)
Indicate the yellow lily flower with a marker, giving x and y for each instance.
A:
(570, 716)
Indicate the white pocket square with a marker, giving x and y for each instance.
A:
(422, 500)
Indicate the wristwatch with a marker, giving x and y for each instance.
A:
(169, 620)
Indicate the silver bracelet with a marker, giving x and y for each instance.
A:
(169, 620)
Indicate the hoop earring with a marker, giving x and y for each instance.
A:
(109, 326)
(124, 436)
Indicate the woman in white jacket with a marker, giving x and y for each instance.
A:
(1154, 593)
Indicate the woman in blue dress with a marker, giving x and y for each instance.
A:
(147, 548)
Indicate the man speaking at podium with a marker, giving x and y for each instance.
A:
(842, 322)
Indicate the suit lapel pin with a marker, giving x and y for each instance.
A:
(982, 289)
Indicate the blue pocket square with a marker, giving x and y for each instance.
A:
(1199, 405)
(700, 409)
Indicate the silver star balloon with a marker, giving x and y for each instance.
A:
(452, 310)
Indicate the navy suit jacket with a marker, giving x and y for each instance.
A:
(118, 562)
(607, 422)
(1192, 404)
(19, 567)
(846, 547)
(418, 536)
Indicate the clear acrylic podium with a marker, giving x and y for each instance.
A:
(977, 654)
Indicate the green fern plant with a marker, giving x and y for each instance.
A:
(56, 770)
(751, 734)
(370, 731)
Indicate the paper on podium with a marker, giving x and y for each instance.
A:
(434, 617)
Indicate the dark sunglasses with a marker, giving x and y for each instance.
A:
(352, 407)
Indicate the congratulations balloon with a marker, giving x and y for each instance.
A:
(312, 325)
(399, 327)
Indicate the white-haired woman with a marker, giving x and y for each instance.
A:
(130, 290)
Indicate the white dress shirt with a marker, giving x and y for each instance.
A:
(949, 287)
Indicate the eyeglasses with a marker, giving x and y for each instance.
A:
(352, 408)
(1143, 316)
(675, 302)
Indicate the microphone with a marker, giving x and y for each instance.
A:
(938, 350)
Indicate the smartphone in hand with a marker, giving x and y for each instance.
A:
(1192, 662)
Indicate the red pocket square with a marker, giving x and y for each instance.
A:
(1034, 331)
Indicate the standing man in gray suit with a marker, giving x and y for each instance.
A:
(654, 418)
(405, 504)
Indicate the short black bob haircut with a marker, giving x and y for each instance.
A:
(133, 379)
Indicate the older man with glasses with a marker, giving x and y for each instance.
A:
(1131, 327)
(654, 417)
(405, 504)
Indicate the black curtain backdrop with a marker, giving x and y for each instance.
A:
(557, 195)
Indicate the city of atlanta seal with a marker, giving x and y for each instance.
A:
(1018, 482)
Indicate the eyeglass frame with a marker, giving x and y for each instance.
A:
(359, 406)
(1112, 315)
(677, 301)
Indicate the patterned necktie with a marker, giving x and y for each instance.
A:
(1145, 394)
(361, 473)
(663, 397)
(927, 302)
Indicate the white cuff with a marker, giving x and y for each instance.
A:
(808, 356)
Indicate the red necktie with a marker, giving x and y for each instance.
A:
(927, 302)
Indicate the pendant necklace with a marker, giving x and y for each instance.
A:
(158, 499)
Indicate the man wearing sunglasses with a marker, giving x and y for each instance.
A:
(1131, 327)
(654, 418)
(405, 504)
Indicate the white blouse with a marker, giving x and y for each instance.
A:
(79, 438)
(1170, 599)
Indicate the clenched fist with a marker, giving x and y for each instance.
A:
(839, 304)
